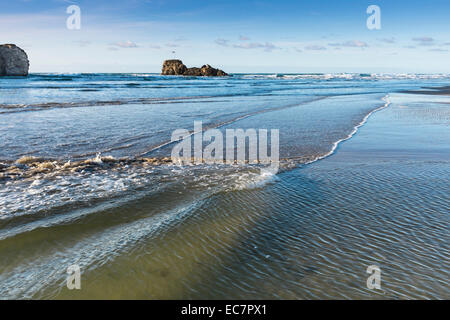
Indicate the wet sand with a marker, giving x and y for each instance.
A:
(439, 91)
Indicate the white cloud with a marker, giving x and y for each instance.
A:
(243, 38)
(388, 40)
(256, 45)
(438, 50)
(315, 47)
(83, 43)
(222, 42)
(351, 43)
(125, 44)
(424, 41)
(267, 46)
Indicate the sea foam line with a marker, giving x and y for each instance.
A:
(354, 131)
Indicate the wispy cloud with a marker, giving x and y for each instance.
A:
(172, 45)
(83, 43)
(315, 47)
(267, 46)
(154, 46)
(424, 41)
(222, 42)
(351, 44)
(125, 44)
(438, 50)
(388, 40)
(256, 45)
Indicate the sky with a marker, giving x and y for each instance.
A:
(238, 36)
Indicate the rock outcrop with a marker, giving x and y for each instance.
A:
(176, 67)
(13, 61)
(173, 67)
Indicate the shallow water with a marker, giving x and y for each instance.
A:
(219, 231)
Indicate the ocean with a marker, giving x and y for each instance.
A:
(85, 180)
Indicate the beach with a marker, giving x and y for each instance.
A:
(363, 181)
(439, 91)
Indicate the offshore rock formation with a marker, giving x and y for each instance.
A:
(176, 67)
(13, 61)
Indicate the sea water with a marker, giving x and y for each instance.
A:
(364, 182)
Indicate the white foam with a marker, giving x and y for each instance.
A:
(350, 76)
(354, 131)
(254, 180)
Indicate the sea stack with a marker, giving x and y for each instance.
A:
(177, 68)
(13, 61)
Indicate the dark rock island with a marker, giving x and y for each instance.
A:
(13, 61)
(177, 68)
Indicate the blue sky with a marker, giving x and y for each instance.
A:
(236, 35)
